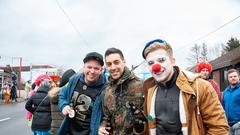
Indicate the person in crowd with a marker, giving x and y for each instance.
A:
(80, 100)
(57, 116)
(176, 102)
(55, 79)
(7, 93)
(13, 89)
(39, 105)
(205, 69)
(28, 88)
(123, 98)
(29, 115)
(231, 101)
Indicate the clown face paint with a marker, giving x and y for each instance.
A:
(161, 57)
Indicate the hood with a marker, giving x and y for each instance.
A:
(43, 89)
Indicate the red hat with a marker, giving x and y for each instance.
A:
(203, 65)
(40, 78)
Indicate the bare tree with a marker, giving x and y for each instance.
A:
(215, 51)
(204, 52)
(194, 56)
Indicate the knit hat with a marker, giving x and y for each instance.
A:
(94, 56)
(55, 78)
(203, 65)
(66, 76)
(40, 78)
(151, 43)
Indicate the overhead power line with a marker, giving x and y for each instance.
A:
(206, 35)
(74, 26)
(209, 33)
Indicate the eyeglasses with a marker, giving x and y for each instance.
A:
(162, 42)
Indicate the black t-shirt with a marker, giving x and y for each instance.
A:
(82, 101)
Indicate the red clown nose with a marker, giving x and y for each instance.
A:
(156, 68)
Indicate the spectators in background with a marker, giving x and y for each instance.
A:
(205, 69)
(39, 105)
(27, 88)
(231, 101)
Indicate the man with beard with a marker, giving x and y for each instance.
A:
(231, 102)
(175, 102)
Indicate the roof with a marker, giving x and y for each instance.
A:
(24, 68)
(230, 58)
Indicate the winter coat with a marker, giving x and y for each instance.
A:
(57, 116)
(65, 97)
(39, 106)
(231, 104)
(216, 88)
(201, 112)
(119, 96)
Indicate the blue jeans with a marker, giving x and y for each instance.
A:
(37, 132)
(234, 130)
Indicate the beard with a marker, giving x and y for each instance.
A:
(233, 83)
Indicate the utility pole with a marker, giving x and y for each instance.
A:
(20, 76)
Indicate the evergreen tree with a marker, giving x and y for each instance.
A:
(231, 44)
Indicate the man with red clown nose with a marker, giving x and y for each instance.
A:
(204, 68)
(177, 103)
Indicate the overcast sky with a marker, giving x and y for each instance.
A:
(41, 33)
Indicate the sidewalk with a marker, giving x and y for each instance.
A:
(20, 99)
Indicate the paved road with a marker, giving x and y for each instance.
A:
(13, 119)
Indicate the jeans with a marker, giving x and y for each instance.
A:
(37, 132)
(234, 130)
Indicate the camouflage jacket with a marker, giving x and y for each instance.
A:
(123, 98)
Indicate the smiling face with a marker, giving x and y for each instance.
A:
(115, 65)
(92, 71)
(160, 56)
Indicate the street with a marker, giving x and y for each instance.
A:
(13, 119)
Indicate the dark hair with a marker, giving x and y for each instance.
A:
(114, 50)
(231, 71)
(33, 86)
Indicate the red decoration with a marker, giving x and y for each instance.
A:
(40, 78)
(156, 68)
(55, 78)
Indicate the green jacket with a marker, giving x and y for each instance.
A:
(119, 95)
